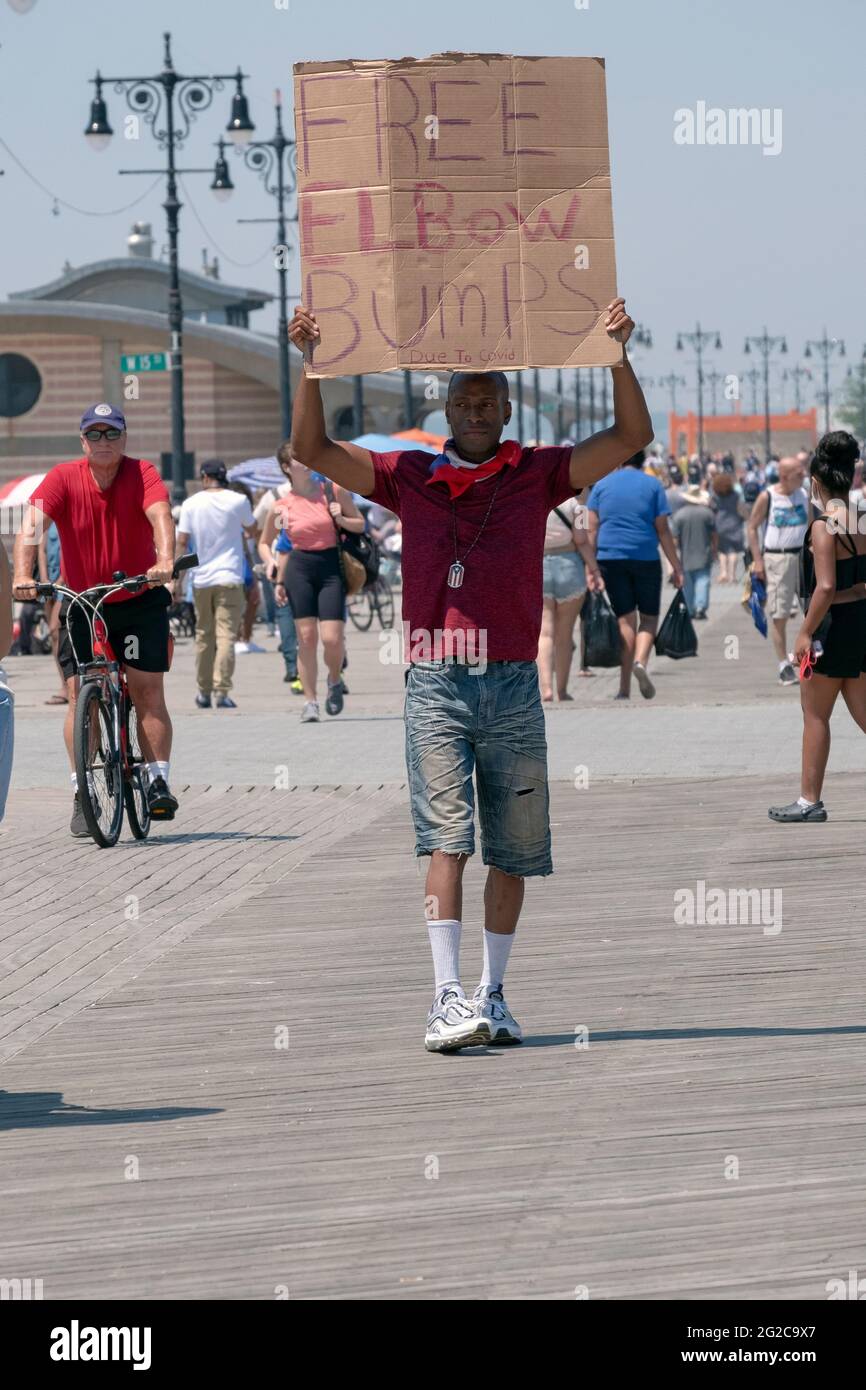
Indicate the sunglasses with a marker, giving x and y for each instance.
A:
(94, 435)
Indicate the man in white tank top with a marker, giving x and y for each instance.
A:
(784, 508)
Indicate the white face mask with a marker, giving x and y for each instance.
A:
(817, 501)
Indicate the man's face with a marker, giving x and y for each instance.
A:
(103, 451)
(790, 475)
(477, 411)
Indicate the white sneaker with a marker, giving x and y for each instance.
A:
(241, 648)
(645, 685)
(453, 1022)
(491, 1009)
(254, 647)
(310, 712)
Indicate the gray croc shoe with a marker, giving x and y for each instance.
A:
(798, 813)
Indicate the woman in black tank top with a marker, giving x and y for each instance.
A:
(834, 559)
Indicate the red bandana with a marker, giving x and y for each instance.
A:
(459, 479)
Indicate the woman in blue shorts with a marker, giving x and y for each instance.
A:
(567, 559)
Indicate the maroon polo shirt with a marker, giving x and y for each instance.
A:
(498, 606)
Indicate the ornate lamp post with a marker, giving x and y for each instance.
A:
(797, 374)
(766, 346)
(267, 158)
(670, 383)
(699, 340)
(169, 103)
(826, 347)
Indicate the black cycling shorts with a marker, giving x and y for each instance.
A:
(633, 584)
(137, 630)
(843, 637)
(314, 585)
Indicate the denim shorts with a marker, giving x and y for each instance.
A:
(460, 719)
(564, 576)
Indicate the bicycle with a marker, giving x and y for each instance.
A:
(109, 764)
(181, 619)
(374, 600)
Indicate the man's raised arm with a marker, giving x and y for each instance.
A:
(346, 464)
(632, 427)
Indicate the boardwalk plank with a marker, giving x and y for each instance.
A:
(558, 1168)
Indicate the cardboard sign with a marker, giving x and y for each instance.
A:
(455, 212)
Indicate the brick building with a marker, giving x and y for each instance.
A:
(61, 346)
(740, 434)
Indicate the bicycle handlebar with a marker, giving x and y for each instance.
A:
(120, 580)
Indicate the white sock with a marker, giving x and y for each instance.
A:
(73, 777)
(444, 936)
(497, 949)
(155, 770)
(804, 804)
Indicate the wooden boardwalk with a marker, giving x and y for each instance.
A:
(158, 1140)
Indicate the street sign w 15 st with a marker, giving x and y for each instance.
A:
(145, 362)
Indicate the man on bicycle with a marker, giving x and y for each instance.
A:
(112, 513)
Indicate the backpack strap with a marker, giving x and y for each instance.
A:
(328, 487)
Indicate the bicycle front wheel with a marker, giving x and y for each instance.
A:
(360, 607)
(384, 601)
(135, 780)
(97, 765)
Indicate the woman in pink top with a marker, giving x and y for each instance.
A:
(310, 577)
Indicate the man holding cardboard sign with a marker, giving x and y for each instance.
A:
(455, 212)
(473, 538)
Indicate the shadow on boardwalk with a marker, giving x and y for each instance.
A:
(47, 1109)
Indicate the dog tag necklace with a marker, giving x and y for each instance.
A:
(458, 569)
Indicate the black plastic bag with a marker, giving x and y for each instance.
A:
(677, 637)
(600, 631)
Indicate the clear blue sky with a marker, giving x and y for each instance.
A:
(724, 234)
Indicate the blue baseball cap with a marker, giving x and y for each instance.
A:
(103, 414)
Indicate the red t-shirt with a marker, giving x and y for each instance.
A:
(497, 609)
(102, 531)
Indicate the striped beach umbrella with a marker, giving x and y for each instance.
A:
(16, 492)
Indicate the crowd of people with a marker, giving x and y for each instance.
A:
(597, 517)
(693, 522)
(274, 557)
